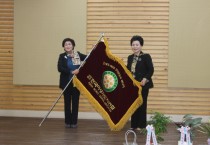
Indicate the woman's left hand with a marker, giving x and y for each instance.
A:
(143, 82)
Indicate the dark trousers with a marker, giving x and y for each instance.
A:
(71, 104)
(139, 118)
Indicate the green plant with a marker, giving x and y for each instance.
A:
(191, 122)
(160, 123)
(205, 128)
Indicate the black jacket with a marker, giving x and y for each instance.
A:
(144, 68)
(64, 70)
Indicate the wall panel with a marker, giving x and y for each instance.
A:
(119, 20)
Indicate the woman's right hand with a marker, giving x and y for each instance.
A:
(75, 72)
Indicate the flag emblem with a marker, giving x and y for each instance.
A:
(109, 81)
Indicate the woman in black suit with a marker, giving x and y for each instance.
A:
(68, 64)
(141, 66)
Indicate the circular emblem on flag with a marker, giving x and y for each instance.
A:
(109, 81)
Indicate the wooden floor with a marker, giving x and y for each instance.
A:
(26, 131)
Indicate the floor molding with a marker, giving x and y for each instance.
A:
(81, 115)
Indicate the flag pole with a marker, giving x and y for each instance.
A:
(56, 101)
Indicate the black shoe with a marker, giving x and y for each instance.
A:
(74, 126)
(68, 126)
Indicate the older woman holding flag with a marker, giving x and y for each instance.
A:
(68, 66)
(141, 66)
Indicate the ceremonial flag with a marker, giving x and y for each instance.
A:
(109, 86)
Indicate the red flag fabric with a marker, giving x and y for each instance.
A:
(109, 86)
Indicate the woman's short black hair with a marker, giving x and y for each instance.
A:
(68, 39)
(137, 38)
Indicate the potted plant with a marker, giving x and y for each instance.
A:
(205, 128)
(190, 121)
(160, 123)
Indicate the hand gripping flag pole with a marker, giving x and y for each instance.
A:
(56, 101)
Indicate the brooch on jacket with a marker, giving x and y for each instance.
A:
(137, 58)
